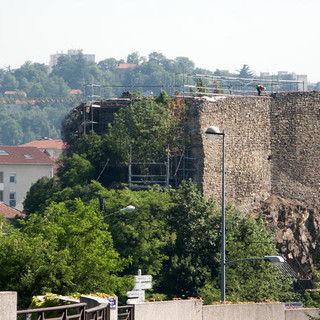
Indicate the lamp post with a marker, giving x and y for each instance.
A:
(213, 133)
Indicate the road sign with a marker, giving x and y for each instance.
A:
(145, 278)
(142, 285)
(136, 294)
(134, 301)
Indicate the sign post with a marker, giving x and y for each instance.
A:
(142, 282)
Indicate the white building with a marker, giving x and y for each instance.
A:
(71, 53)
(20, 167)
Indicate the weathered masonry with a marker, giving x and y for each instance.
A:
(272, 147)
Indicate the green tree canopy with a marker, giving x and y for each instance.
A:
(66, 250)
(147, 127)
(245, 72)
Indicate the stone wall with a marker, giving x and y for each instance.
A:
(271, 164)
(246, 121)
(272, 147)
(295, 143)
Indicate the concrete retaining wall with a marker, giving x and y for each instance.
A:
(8, 305)
(301, 314)
(254, 311)
(194, 310)
(169, 310)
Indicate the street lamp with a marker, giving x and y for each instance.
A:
(276, 261)
(126, 209)
(213, 133)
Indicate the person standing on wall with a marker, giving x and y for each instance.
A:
(260, 88)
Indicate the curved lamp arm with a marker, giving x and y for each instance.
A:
(126, 209)
(274, 260)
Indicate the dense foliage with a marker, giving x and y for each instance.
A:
(175, 236)
(42, 118)
(66, 249)
(146, 128)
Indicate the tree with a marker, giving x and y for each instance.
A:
(109, 64)
(77, 71)
(201, 86)
(245, 72)
(9, 83)
(193, 267)
(247, 237)
(10, 131)
(39, 194)
(75, 170)
(185, 64)
(134, 57)
(192, 252)
(157, 57)
(147, 126)
(66, 250)
(142, 234)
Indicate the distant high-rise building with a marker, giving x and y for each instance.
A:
(72, 53)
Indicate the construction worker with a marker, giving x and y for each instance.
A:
(260, 88)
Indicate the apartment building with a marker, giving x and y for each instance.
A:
(20, 167)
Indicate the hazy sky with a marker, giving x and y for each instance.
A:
(269, 36)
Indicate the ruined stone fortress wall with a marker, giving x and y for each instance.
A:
(272, 147)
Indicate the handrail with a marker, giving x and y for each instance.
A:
(100, 312)
(48, 309)
(128, 315)
(97, 308)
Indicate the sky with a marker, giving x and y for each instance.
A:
(269, 36)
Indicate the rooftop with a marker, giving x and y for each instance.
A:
(23, 155)
(126, 65)
(9, 212)
(46, 144)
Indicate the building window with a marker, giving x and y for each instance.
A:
(13, 177)
(3, 152)
(1, 177)
(12, 199)
(1, 196)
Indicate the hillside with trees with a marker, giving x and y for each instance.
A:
(36, 118)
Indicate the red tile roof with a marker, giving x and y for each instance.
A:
(75, 91)
(9, 212)
(126, 65)
(23, 155)
(10, 92)
(46, 144)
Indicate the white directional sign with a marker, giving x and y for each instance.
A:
(142, 285)
(145, 278)
(134, 301)
(136, 294)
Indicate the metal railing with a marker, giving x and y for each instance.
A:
(126, 312)
(73, 311)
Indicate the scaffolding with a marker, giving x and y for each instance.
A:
(179, 164)
(217, 85)
(144, 175)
